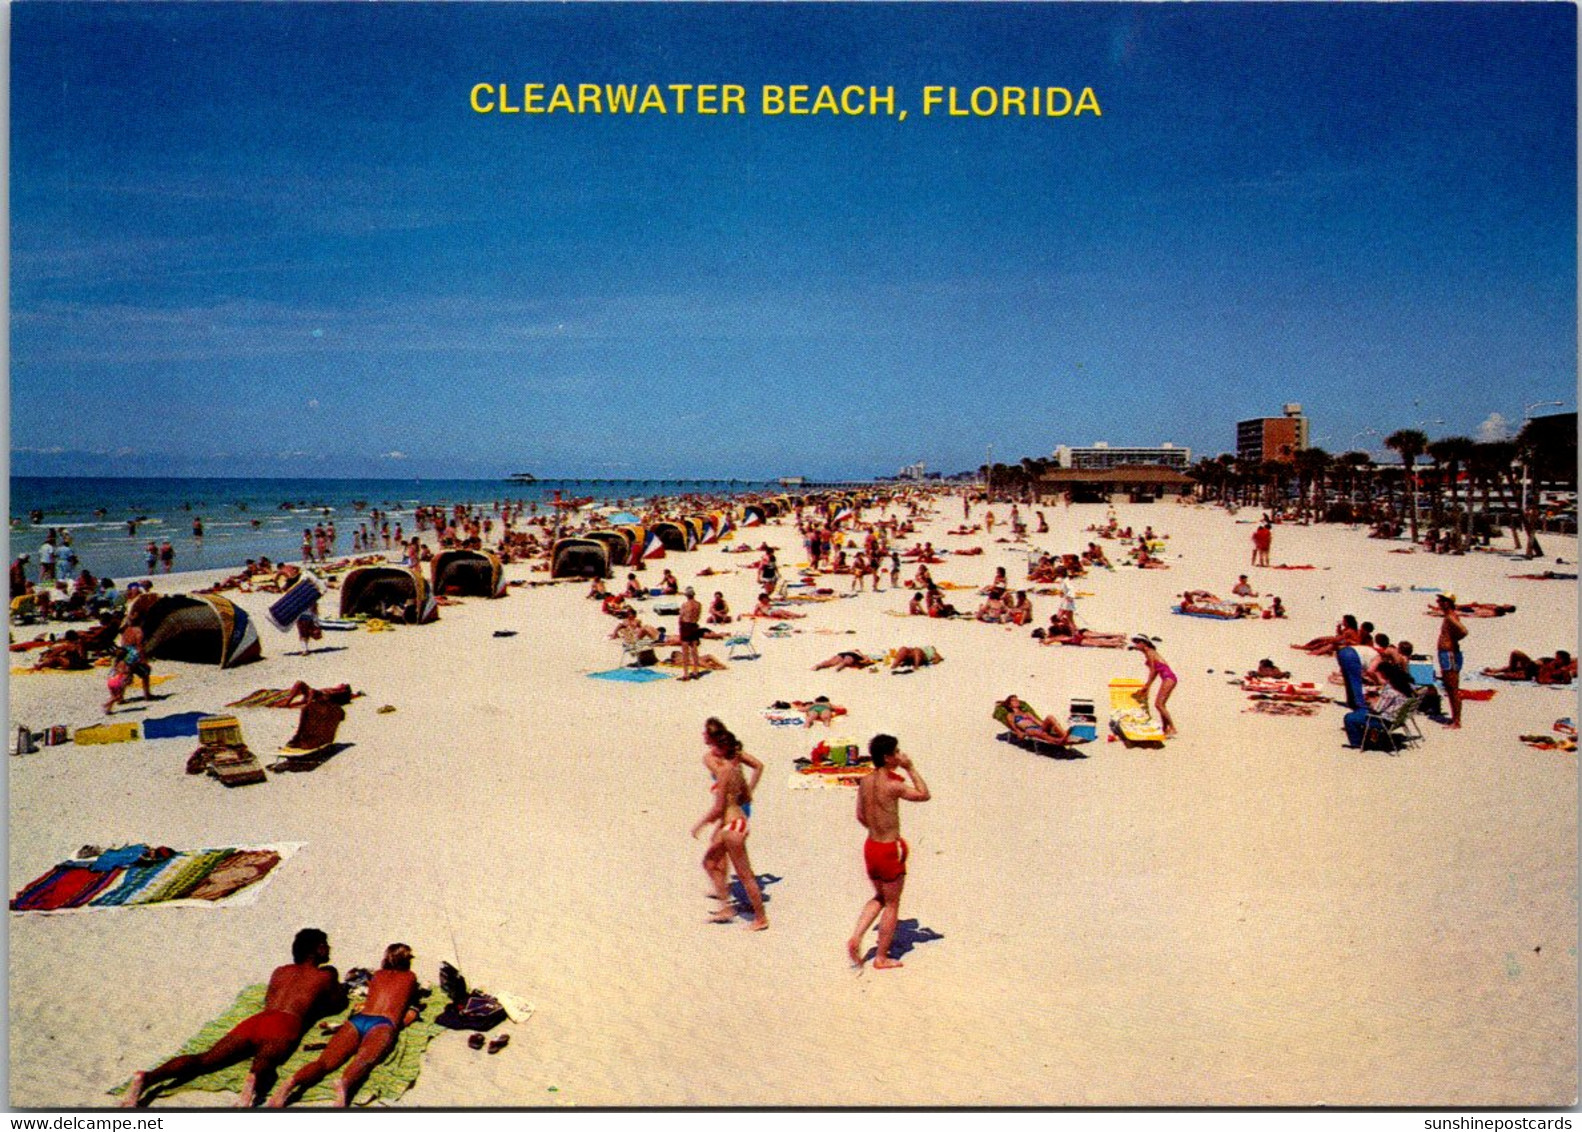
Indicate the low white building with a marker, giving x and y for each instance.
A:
(1100, 455)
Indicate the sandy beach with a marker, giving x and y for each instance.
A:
(1253, 915)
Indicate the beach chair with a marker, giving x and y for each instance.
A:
(638, 654)
(740, 645)
(1398, 729)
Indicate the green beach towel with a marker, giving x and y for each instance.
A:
(393, 1076)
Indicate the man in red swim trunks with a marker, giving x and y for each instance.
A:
(297, 991)
(878, 810)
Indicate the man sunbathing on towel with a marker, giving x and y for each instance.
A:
(366, 1036)
(1025, 725)
(297, 991)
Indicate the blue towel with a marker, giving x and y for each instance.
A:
(1422, 673)
(629, 675)
(173, 726)
(112, 859)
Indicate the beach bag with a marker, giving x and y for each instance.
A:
(468, 1009)
(24, 740)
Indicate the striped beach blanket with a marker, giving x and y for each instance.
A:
(193, 878)
(394, 1075)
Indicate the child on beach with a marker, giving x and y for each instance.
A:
(1160, 671)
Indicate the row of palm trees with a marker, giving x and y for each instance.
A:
(1545, 450)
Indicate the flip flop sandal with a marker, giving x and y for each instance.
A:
(476, 1041)
(499, 1043)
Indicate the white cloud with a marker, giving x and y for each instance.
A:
(392, 455)
(313, 402)
(1495, 427)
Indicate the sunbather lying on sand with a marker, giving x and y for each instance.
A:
(764, 610)
(70, 655)
(296, 992)
(366, 1036)
(1026, 725)
(845, 660)
(819, 710)
(1558, 669)
(908, 657)
(1475, 609)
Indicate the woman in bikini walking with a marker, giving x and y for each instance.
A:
(729, 814)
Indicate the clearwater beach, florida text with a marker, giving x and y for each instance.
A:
(795, 100)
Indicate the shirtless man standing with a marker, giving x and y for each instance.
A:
(296, 992)
(691, 631)
(366, 1036)
(1449, 649)
(885, 853)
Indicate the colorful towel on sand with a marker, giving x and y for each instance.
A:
(393, 1076)
(629, 675)
(274, 697)
(785, 718)
(193, 878)
(827, 777)
(264, 697)
(1283, 707)
(1214, 611)
(1129, 715)
(173, 726)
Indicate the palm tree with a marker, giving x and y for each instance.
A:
(1311, 464)
(1450, 453)
(1490, 465)
(1409, 444)
(1356, 465)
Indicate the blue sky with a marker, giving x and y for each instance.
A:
(271, 239)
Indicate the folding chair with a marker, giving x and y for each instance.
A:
(1400, 727)
(740, 646)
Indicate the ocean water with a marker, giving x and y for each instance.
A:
(250, 518)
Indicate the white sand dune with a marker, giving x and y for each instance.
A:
(1253, 915)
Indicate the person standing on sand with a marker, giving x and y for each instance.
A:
(1162, 672)
(729, 813)
(879, 795)
(366, 1036)
(296, 992)
(691, 632)
(1262, 539)
(1449, 649)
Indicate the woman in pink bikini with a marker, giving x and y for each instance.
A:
(1160, 671)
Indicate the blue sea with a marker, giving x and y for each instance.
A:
(250, 518)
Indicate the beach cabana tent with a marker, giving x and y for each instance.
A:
(468, 572)
(200, 629)
(579, 558)
(637, 535)
(753, 515)
(372, 590)
(695, 531)
(618, 543)
(672, 536)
